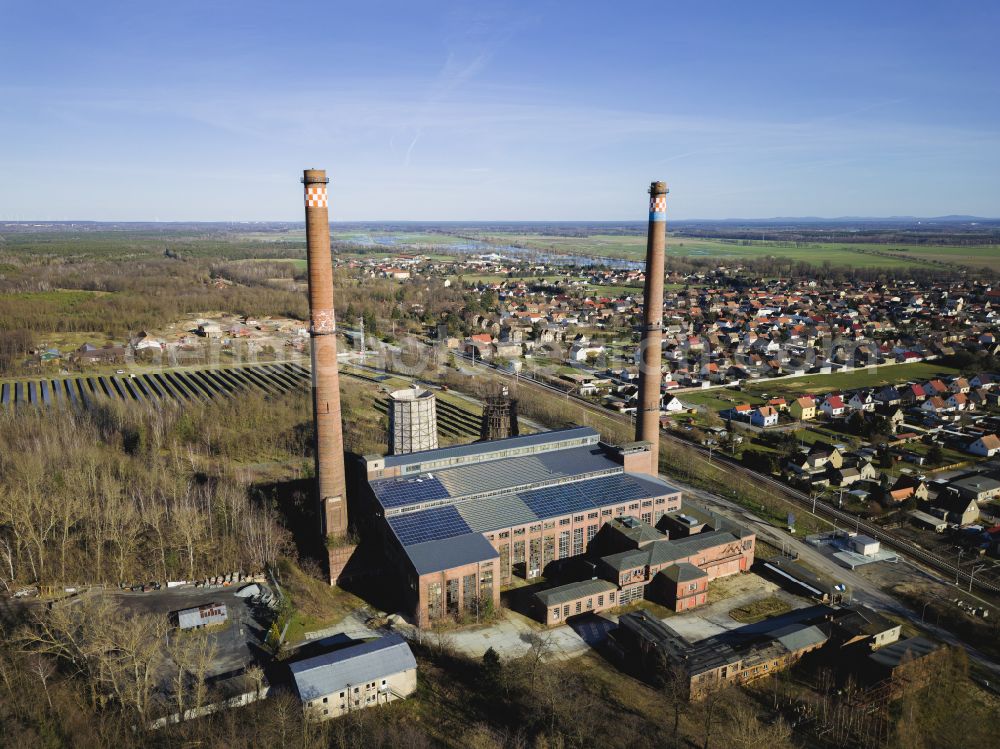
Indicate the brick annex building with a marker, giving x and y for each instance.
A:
(459, 522)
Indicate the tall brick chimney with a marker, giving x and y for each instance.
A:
(647, 421)
(332, 489)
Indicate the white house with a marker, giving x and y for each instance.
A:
(833, 405)
(862, 401)
(672, 404)
(765, 416)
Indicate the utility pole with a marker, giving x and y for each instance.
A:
(361, 322)
(972, 574)
(958, 567)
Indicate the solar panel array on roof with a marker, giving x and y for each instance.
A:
(399, 492)
(428, 525)
(494, 475)
(559, 500)
(492, 513)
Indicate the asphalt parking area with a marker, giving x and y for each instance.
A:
(235, 642)
(591, 628)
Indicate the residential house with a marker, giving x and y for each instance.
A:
(977, 486)
(673, 404)
(765, 416)
(888, 396)
(893, 415)
(988, 445)
(959, 402)
(804, 408)
(936, 405)
(833, 406)
(845, 475)
(907, 487)
(822, 455)
(913, 394)
(955, 508)
(861, 400)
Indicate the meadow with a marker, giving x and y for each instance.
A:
(633, 247)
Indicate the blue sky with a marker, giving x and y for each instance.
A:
(530, 110)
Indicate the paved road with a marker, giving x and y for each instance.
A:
(781, 489)
(863, 590)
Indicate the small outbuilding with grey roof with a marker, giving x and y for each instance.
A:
(556, 605)
(353, 678)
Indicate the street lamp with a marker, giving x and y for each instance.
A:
(924, 611)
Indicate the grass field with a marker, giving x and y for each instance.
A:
(839, 254)
(497, 278)
(718, 398)
(610, 290)
(891, 374)
(758, 610)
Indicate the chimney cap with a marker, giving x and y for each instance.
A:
(658, 188)
(315, 177)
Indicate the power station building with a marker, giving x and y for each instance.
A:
(459, 522)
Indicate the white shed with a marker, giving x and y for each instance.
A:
(865, 545)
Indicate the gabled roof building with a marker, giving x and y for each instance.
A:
(355, 677)
(457, 522)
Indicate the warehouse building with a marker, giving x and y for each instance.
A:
(714, 662)
(356, 677)
(847, 634)
(633, 560)
(459, 522)
(196, 617)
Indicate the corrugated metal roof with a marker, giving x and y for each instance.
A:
(480, 448)
(491, 475)
(892, 655)
(663, 552)
(573, 591)
(334, 672)
(798, 637)
(434, 556)
(489, 513)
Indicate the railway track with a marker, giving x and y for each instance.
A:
(786, 492)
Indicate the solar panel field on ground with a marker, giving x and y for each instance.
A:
(151, 387)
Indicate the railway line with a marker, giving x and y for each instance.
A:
(788, 493)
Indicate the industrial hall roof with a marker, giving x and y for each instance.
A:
(551, 475)
(482, 448)
(667, 551)
(332, 672)
(574, 591)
